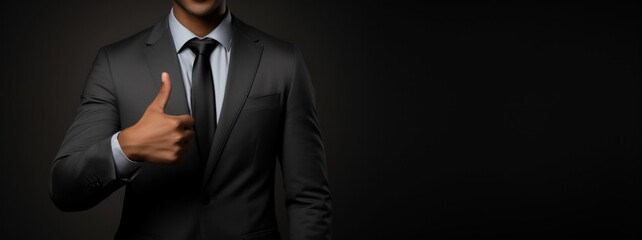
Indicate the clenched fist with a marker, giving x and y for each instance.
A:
(158, 137)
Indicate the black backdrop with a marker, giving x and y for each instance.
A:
(440, 121)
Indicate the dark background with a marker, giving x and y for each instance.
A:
(440, 121)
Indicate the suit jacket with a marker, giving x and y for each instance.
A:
(268, 115)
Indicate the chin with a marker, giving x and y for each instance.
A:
(200, 8)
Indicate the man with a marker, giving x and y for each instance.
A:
(197, 150)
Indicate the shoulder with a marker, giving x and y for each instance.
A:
(271, 45)
(278, 56)
(132, 44)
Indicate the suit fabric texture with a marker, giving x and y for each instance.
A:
(268, 115)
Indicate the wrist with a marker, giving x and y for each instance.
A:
(129, 146)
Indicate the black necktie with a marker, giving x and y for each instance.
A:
(203, 101)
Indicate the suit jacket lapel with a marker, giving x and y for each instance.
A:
(244, 62)
(161, 57)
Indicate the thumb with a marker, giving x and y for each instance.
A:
(163, 94)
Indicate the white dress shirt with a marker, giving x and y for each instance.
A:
(219, 60)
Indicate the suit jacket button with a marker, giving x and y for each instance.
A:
(205, 200)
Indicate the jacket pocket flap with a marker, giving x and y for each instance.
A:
(261, 101)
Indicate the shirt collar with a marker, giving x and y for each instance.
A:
(222, 33)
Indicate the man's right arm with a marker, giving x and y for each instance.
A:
(83, 172)
(94, 159)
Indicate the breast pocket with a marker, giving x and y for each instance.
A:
(261, 102)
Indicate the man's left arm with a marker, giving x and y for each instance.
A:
(307, 195)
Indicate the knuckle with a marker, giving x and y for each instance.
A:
(176, 137)
(172, 158)
(188, 121)
(176, 156)
(176, 149)
(189, 134)
(175, 123)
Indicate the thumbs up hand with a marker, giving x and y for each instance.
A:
(158, 137)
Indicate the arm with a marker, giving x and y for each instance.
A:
(83, 172)
(307, 196)
(93, 161)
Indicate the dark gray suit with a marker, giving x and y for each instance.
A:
(268, 114)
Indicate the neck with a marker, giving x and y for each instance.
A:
(199, 25)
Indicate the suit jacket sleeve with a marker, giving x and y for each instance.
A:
(83, 172)
(307, 195)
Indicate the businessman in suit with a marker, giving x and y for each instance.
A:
(191, 116)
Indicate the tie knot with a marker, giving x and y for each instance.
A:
(202, 46)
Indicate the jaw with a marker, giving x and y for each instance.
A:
(201, 8)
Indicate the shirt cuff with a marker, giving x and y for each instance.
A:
(125, 168)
